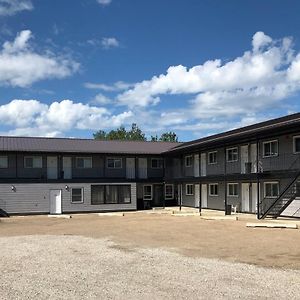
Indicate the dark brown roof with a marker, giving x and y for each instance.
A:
(250, 131)
(42, 144)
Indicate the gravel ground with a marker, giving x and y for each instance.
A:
(75, 267)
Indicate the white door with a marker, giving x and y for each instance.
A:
(253, 158)
(244, 158)
(203, 164)
(130, 167)
(143, 168)
(196, 165)
(197, 195)
(55, 201)
(52, 167)
(254, 198)
(204, 195)
(67, 167)
(245, 197)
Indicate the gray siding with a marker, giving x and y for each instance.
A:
(34, 198)
(96, 171)
(188, 200)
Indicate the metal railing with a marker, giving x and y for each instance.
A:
(275, 206)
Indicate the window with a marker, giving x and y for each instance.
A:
(110, 194)
(33, 162)
(83, 162)
(169, 191)
(147, 192)
(212, 157)
(98, 194)
(213, 189)
(296, 144)
(271, 189)
(114, 163)
(77, 195)
(157, 163)
(270, 148)
(188, 161)
(233, 189)
(189, 189)
(232, 154)
(3, 162)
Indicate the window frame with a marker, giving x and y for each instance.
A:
(6, 158)
(208, 160)
(268, 142)
(186, 189)
(159, 166)
(186, 160)
(228, 189)
(114, 163)
(105, 194)
(209, 191)
(33, 157)
(168, 196)
(237, 154)
(265, 190)
(151, 196)
(82, 195)
(84, 157)
(294, 144)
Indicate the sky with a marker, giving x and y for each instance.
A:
(195, 67)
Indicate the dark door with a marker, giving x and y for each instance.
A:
(158, 195)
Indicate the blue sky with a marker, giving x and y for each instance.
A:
(68, 68)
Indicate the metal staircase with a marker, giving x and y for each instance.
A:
(273, 208)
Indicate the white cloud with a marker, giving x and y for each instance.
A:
(264, 76)
(109, 42)
(31, 117)
(11, 7)
(104, 2)
(21, 65)
(117, 86)
(101, 99)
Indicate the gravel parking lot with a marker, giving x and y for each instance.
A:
(75, 267)
(143, 256)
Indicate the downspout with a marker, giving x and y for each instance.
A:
(225, 180)
(200, 186)
(257, 176)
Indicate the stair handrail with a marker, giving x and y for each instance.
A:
(283, 192)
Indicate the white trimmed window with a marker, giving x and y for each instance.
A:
(157, 163)
(233, 189)
(271, 189)
(189, 189)
(296, 141)
(3, 162)
(77, 195)
(83, 162)
(188, 161)
(232, 154)
(270, 148)
(33, 162)
(169, 191)
(114, 163)
(147, 192)
(213, 189)
(212, 158)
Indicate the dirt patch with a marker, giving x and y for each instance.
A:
(191, 236)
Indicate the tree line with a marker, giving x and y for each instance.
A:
(133, 134)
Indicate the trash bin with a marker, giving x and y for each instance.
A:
(228, 209)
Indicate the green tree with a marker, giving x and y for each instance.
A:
(169, 137)
(100, 135)
(154, 138)
(134, 134)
